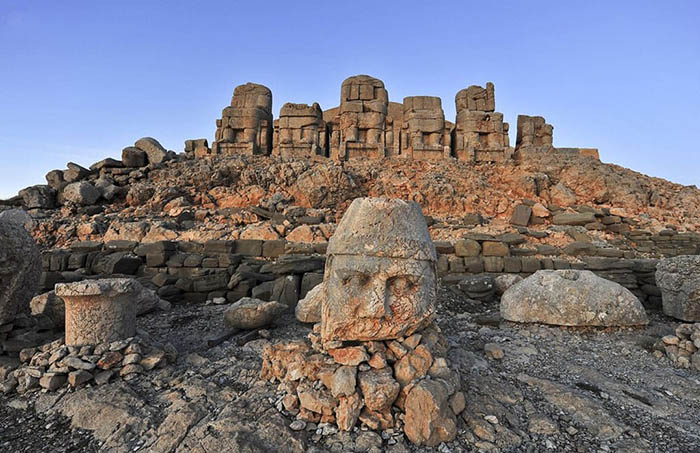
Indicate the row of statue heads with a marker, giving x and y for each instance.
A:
(367, 125)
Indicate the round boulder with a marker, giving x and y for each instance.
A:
(20, 268)
(251, 313)
(571, 298)
(678, 278)
(82, 193)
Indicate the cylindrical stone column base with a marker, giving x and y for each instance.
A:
(99, 311)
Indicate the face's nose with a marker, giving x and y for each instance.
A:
(375, 301)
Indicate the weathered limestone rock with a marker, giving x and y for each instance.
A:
(380, 273)
(82, 193)
(75, 172)
(571, 298)
(153, 149)
(379, 388)
(20, 267)
(424, 134)
(359, 129)
(49, 305)
(300, 131)
(533, 131)
(55, 179)
(38, 197)
(134, 157)
(309, 308)
(198, 147)
(245, 126)
(250, 313)
(99, 311)
(678, 278)
(480, 133)
(19, 217)
(429, 418)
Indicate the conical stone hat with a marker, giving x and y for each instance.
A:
(383, 227)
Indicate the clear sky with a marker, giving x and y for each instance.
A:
(80, 80)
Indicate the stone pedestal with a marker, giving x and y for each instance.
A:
(99, 311)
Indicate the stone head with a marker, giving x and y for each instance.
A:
(380, 280)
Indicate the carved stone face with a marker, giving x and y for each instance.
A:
(376, 298)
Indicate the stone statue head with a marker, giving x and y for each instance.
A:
(380, 280)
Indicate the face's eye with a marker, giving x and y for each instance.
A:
(402, 283)
(356, 280)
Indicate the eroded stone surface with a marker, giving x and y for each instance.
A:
(99, 311)
(20, 267)
(380, 274)
(571, 298)
(678, 279)
(245, 126)
(251, 313)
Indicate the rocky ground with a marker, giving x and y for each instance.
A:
(553, 389)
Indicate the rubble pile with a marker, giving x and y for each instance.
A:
(683, 348)
(55, 365)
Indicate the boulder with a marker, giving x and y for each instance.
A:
(429, 418)
(55, 179)
(106, 163)
(75, 173)
(678, 278)
(250, 313)
(154, 150)
(51, 306)
(38, 197)
(19, 217)
(82, 193)
(108, 190)
(571, 298)
(521, 215)
(134, 157)
(308, 309)
(20, 268)
(479, 287)
(505, 281)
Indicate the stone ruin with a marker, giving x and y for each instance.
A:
(101, 341)
(375, 356)
(245, 126)
(359, 128)
(300, 131)
(533, 131)
(367, 125)
(425, 135)
(98, 311)
(480, 133)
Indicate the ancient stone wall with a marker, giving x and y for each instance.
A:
(194, 272)
(245, 126)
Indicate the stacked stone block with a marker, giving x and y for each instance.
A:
(245, 126)
(360, 126)
(480, 133)
(300, 131)
(534, 132)
(425, 135)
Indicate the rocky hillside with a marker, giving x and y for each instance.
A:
(264, 197)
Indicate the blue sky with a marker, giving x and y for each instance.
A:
(80, 80)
